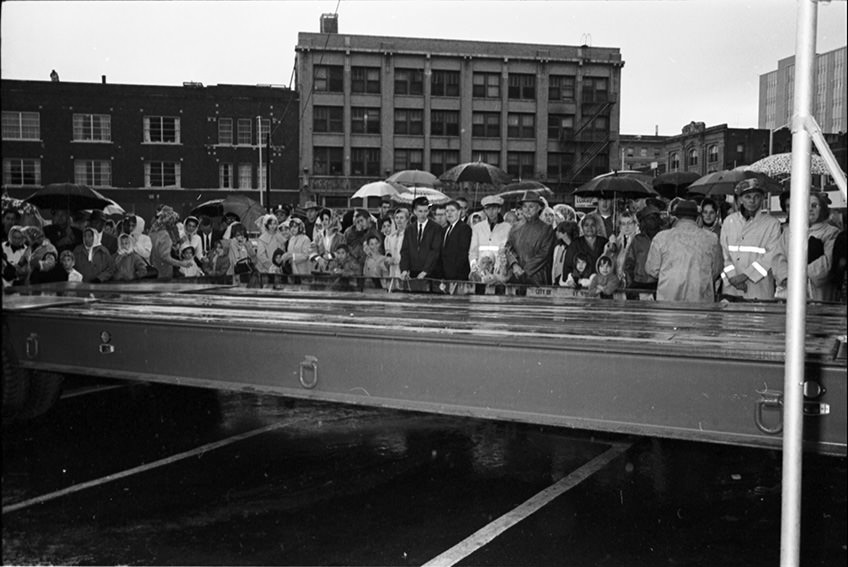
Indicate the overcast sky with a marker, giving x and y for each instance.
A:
(685, 60)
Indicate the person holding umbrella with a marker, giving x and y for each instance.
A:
(61, 232)
(530, 246)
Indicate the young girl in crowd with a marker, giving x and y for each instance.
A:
(129, 265)
(240, 251)
(191, 270)
(579, 277)
(604, 281)
(216, 263)
(66, 258)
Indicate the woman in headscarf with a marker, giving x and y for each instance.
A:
(129, 265)
(15, 265)
(299, 248)
(43, 258)
(92, 260)
(270, 240)
(591, 243)
(163, 236)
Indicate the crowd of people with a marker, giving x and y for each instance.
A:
(639, 249)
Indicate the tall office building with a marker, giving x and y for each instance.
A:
(373, 105)
(777, 90)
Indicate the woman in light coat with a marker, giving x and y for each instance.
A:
(298, 249)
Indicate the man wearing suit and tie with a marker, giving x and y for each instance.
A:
(455, 244)
(422, 244)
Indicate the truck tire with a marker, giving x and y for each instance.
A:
(44, 391)
(15, 385)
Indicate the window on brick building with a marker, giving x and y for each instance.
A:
(225, 131)
(93, 172)
(521, 164)
(92, 127)
(487, 85)
(21, 125)
(365, 80)
(328, 119)
(161, 174)
(486, 125)
(521, 125)
(522, 86)
(364, 120)
(444, 83)
(365, 161)
(162, 129)
(21, 171)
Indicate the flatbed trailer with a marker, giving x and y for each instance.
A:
(710, 373)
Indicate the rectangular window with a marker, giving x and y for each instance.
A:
(364, 120)
(444, 123)
(365, 80)
(21, 171)
(520, 164)
(492, 158)
(161, 174)
(521, 125)
(487, 85)
(245, 176)
(409, 121)
(162, 129)
(409, 81)
(245, 132)
(327, 161)
(21, 125)
(328, 78)
(92, 127)
(560, 127)
(486, 125)
(559, 164)
(97, 173)
(225, 176)
(595, 89)
(365, 161)
(561, 87)
(443, 160)
(522, 86)
(328, 119)
(445, 83)
(225, 131)
(713, 154)
(264, 130)
(409, 159)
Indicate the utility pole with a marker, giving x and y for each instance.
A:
(259, 145)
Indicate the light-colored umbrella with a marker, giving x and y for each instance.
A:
(414, 178)
(433, 195)
(248, 210)
(724, 182)
(378, 189)
(780, 165)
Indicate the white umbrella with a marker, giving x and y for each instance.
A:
(780, 165)
(378, 189)
(433, 195)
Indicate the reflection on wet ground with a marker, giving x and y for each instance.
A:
(344, 485)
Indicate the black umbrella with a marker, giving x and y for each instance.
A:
(68, 196)
(611, 186)
(674, 183)
(724, 182)
(476, 172)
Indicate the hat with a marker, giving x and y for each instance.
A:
(231, 215)
(283, 209)
(686, 208)
(532, 197)
(311, 205)
(492, 200)
(647, 211)
(748, 185)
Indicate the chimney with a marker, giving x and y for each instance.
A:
(329, 23)
(103, 79)
(656, 130)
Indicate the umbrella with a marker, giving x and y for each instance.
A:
(517, 189)
(414, 177)
(113, 209)
(433, 195)
(378, 189)
(724, 182)
(476, 172)
(247, 209)
(68, 196)
(779, 165)
(610, 186)
(640, 175)
(672, 183)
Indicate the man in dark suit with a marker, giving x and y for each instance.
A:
(422, 244)
(62, 234)
(455, 244)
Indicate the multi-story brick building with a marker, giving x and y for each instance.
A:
(144, 145)
(372, 105)
(830, 107)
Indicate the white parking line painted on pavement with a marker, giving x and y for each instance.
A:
(489, 532)
(152, 465)
(91, 390)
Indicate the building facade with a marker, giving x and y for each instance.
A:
(374, 105)
(777, 93)
(145, 145)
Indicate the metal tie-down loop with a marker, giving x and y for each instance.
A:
(772, 399)
(309, 362)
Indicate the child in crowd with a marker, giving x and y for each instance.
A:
(376, 264)
(129, 265)
(344, 264)
(192, 270)
(240, 251)
(217, 262)
(485, 272)
(604, 281)
(66, 258)
(580, 275)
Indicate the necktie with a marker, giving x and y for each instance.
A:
(447, 232)
(420, 232)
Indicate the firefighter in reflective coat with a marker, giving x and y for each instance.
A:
(749, 242)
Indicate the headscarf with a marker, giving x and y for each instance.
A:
(125, 244)
(166, 219)
(20, 229)
(262, 223)
(94, 243)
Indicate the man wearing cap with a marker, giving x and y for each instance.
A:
(530, 246)
(686, 259)
(749, 242)
(422, 244)
(636, 277)
(489, 237)
(312, 209)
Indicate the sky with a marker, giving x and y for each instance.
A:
(685, 60)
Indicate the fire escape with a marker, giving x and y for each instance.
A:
(590, 141)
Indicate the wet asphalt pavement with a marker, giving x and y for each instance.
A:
(304, 483)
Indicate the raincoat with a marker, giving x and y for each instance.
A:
(531, 246)
(819, 285)
(487, 241)
(749, 247)
(686, 260)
